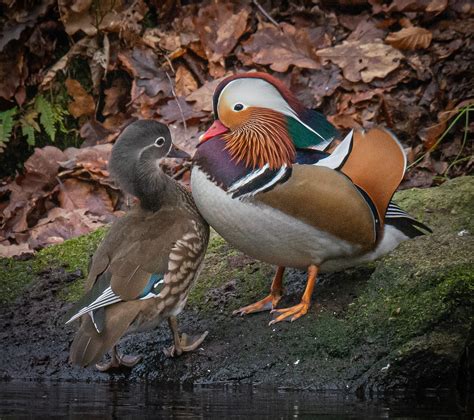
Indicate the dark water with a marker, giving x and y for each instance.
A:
(54, 400)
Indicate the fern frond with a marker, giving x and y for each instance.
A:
(47, 116)
(6, 125)
(29, 132)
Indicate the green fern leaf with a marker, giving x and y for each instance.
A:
(47, 116)
(29, 132)
(6, 125)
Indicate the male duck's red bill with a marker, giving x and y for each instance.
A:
(214, 130)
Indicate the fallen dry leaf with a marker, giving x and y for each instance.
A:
(286, 47)
(60, 225)
(13, 71)
(410, 38)
(171, 112)
(116, 97)
(76, 16)
(185, 81)
(93, 132)
(437, 6)
(186, 140)
(220, 25)
(202, 97)
(83, 103)
(363, 61)
(75, 194)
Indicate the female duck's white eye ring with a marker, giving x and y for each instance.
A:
(239, 107)
(160, 141)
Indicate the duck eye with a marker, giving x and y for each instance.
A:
(160, 141)
(238, 107)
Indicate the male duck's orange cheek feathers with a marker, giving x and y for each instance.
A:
(262, 139)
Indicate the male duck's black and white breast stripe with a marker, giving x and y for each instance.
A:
(235, 178)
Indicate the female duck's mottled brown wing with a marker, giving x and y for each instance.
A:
(137, 246)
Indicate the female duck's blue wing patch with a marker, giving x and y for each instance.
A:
(108, 297)
(154, 287)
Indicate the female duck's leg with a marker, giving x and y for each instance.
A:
(270, 302)
(118, 360)
(183, 343)
(297, 311)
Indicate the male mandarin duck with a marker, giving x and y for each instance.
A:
(263, 181)
(143, 270)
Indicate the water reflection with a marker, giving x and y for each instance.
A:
(75, 400)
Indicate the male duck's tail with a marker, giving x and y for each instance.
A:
(405, 223)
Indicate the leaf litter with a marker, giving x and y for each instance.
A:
(404, 64)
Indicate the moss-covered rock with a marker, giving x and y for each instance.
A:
(403, 322)
(72, 255)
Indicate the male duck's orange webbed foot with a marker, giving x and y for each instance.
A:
(117, 360)
(294, 312)
(268, 303)
(184, 343)
(290, 314)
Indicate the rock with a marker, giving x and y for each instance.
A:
(404, 322)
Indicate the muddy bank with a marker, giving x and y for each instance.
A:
(402, 323)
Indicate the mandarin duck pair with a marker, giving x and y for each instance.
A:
(263, 179)
(143, 270)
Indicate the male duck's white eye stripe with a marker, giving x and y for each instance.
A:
(337, 158)
(260, 93)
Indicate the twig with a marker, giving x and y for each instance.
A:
(170, 64)
(190, 61)
(265, 13)
(180, 172)
(179, 105)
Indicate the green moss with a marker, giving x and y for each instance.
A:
(446, 208)
(224, 265)
(72, 255)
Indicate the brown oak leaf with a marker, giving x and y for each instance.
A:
(185, 81)
(286, 47)
(410, 38)
(220, 25)
(83, 103)
(363, 61)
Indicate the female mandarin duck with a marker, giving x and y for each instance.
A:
(144, 268)
(264, 183)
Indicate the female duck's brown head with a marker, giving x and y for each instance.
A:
(261, 121)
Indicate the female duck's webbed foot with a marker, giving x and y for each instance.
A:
(184, 343)
(117, 360)
(297, 311)
(268, 303)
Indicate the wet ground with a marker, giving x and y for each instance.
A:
(74, 400)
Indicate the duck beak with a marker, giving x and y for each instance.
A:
(177, 153)
(214, 130)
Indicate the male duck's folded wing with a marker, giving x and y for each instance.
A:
(326, 200)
